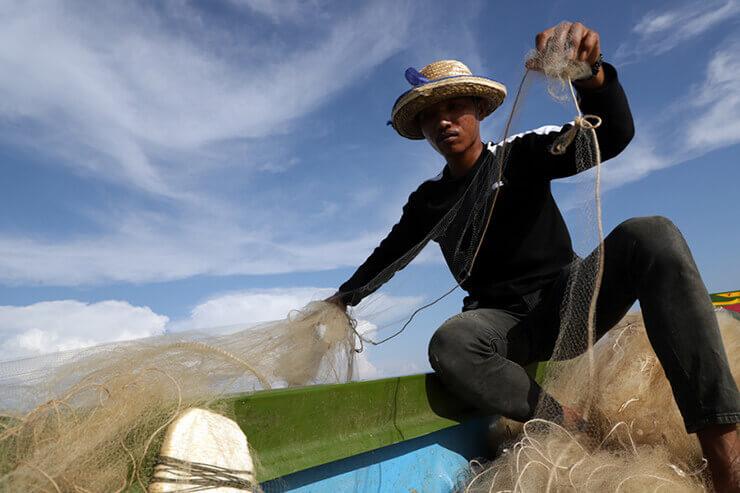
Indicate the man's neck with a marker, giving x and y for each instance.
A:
(461, 164)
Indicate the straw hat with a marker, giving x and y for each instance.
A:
(440, 80)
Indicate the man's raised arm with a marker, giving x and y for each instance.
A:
(601, 95)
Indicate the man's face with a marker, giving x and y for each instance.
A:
(451, 126)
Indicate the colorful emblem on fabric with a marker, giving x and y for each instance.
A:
(729, 300)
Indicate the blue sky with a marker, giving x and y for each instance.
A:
(179, 165)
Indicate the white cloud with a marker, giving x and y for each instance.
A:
(660, 31)
(111, 89)
(365, 370)
(51, 326)
(252, 306)
(129, 94)
(374, 316)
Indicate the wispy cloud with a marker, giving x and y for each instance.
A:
(717, 103)
(111, 90)
(166, 105)
(660, 31)
(149, 255)
(197, 115)
(284, 11)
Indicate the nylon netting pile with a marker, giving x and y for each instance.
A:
(92, 420)
(638, 442)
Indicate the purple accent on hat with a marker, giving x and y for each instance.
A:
(414, 77)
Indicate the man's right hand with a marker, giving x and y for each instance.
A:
(336, 299)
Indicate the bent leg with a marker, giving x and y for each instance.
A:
(648, 259)
(474, 355)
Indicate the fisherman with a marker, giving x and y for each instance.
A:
(511, 315)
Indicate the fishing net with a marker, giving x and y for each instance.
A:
(92, 420)
(638, 442)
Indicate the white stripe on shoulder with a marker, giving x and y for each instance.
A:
(544, 130)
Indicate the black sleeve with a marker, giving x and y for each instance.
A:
(529, 153)
(404, 235)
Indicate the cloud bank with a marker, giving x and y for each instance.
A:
(47, 327)
(52, 326)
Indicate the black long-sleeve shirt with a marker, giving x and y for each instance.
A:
(527, 243)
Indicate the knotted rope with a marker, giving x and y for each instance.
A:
(581, 122)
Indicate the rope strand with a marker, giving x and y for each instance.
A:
(197, 476)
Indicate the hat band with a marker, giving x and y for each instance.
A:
(416, 79)
(428, 81)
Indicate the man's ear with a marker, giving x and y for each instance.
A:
(478, 108)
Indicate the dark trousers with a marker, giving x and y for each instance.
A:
(480, 354)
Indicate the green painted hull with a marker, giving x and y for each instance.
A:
(295, 429)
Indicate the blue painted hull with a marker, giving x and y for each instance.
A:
(435, 463)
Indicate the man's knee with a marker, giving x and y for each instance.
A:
(648, 228)
(452, 340)
(444, 344)
(657, 234)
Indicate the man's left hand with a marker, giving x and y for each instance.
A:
(586, 47)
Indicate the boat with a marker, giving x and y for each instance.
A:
(402, 434)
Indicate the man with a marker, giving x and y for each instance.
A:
(511, 315)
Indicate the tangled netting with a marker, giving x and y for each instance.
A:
(636, 443)
(92, 420)
(633, 438)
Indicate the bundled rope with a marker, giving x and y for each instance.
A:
(199, 476)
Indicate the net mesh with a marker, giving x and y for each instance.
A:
(92, 420)
(636, 443)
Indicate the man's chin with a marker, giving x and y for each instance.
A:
(452, 149)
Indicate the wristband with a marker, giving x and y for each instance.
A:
(595, 67)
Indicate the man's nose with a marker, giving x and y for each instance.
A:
(444, 121)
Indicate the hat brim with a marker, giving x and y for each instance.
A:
(410, 103)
